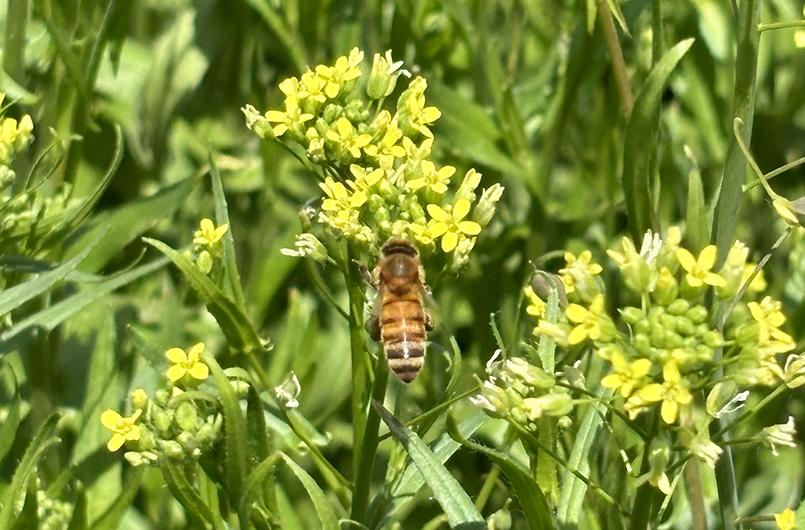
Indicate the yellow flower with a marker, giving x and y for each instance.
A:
(364, 179)
(770, 317)
(536, 306)
(672, 392)
(698, 270)
(123, 429)
(432, 179)
(312, 87)
(422, 233)
(293, 115)
(187, 363)
(345, 69)
(786, 520)
(347, 138)
(588, 321)
(208, 235)
(451, 226)
(626, 375)
(338, 198)
(388, 146)
(420, 115)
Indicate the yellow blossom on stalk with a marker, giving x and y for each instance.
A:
(338, 198)
(588, 321)
(698, 270)
(434, 180)
(187, 363)
(388, 145)
(293, 115)
(420, 115)
(345, 69)
(208, 235)
(346, 137)
(422, 233)
(578, 269)
(787, 519)
(450, 226)
(364, 178)
(770, 317)
(536, 306)
(673, 393)
(123, 428)
(626, 376)
(312, 87)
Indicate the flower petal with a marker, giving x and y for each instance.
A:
(686, 259)
(707, 257)
(449, 241)
(200, 371)
(669, 411)
(176, 355)
(110, 419)
(115, 442)
(461, 209)
(577, 335)
(176, 372)
(195, 352)
(437, 213)
(471, 228)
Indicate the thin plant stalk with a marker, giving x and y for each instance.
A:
(616, 55)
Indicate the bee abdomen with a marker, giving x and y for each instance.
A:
(406, 358)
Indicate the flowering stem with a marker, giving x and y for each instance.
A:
(617, 412)
(644, 500)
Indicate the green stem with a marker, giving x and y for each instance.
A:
(781, 25)
(363, 480)
(644, 500)
(743, 107)
(616, 55)
(716, 436)
(14, 46)
(360, 375)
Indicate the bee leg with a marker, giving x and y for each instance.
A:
(366, 276)
(373, 327)
(429, 323)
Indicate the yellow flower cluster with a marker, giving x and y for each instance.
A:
(377, 179)
(665, 346)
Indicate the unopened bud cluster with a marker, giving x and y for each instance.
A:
(378, 180)
(522, 393)
(665, 345)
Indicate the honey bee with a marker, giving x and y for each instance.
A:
(401, 320)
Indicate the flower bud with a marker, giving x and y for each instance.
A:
(678, 307)
(307, 246)
(667, 288)
(186, 416)
(467, 189)
(172, 449)
(557, 404)
(485, 209)
(383, 77)
(519, 369)
(780, 434)
(794, 371)
(204, 262)
(139, 399)
(258, 123)
(697, 314)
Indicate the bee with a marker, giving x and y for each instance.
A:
(400, 318)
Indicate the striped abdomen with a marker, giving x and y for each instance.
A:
(402, 328)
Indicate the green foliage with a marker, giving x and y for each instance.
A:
(200, 287)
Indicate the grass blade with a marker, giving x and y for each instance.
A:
(233, 322)
(327, 516)
(222, 217)
(641, 142)
(457, 505)
(532, 500)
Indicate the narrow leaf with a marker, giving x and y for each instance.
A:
(697, 228)
(19, 294)
(184, 492)
(457, 505)
(8, 430)
(51, 317)
(532, 500)
(45, 437)
(235, 436)
(329, 521)
(641, 142)
(110, 520)
(231, 273)
(233, 322)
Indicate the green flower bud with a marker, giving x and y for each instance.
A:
(713, 339)
(140, 459)
(209, 433)
(204, 262)
(518, 369)
(684, 326)
(147, 441)
(643, 344)
(485, 209)
(307, 246)
(186, 416)
(557, 404)
(794, 374)
(667, 289)
(163, 421)
(172, 449)
(632, 315)
(357, 113)
(139, 399)
(258, 123)
(500, 520)
(678, 307)
(330, 115)
(383, 77)
(467, 189)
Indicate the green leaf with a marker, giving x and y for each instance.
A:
(78, 521)
(184, 492)
(259, 476)
(51, 317)
(327, 516)
(110, 520)
(126, 223)
(19, 294)
(457, 505)
(571, 496)
(233, 322)
(236, 445)
(45, 437)
(697, 227)
(231, 274)
(641, 142)
(8, 430)
(532, 501)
